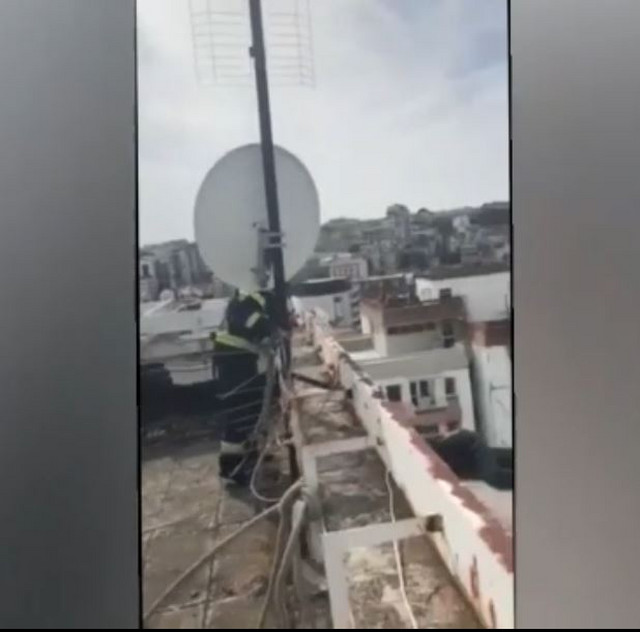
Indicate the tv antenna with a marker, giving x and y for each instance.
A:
(221, 37)
(222, 32)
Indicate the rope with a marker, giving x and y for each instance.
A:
(396, 550)
(287, 556)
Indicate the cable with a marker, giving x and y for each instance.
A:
(264, 412)
(209, 554)
(272, 573)
(284, 507)
(272, 438)
(245, 419)
(287, 556)
(244, 406)
(396, 550)
(263, 453)
(166, 525)
(252, 483)
(234, 390)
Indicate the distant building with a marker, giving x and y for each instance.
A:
(399, 326)
(485, 289)
(380, 287)
(346, 266)
(419, 357)
(176, 334)
(330, 296)
(492, 382)
(435, 384)
(149, 286)
(399, 218)
(352, 267)
(174, 265)
(465, 235)
(379, 248)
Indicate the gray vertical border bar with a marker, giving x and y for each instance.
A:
(576, 213)
(68, 444)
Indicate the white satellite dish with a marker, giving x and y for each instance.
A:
(231, 206)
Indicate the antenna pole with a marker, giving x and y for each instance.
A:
(268, 160)
(271, 194)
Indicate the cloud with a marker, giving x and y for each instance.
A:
(410, 105)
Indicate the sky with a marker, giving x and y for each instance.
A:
(409, 105)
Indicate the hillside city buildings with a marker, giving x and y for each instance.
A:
(409, 318)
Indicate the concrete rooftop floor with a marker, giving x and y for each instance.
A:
(185, 512)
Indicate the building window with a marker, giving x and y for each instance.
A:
(450, 386)
(421, 395)
(394, 393)
(430, 326)
(446, 292)
(145, 271)
(452, 425)
(413, 389)
(448, 334)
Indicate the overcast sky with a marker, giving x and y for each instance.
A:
(410, 105)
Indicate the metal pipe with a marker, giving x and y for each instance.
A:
(268, 159)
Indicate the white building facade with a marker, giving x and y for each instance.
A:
(492, 368)
(430, 382)
(419, 358)
(348, 267)
(177, 335)
(333, 297)
(354, 268)
(487, 296)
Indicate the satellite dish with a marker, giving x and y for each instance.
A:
(230, 207)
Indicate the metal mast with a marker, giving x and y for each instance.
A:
(269, 171)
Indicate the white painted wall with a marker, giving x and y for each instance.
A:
(487, 297)
(188, 373)
(412, 365)
(167, 320)
(159, 320)
(365, 324)
(400, 344)
(339, 310)
(463, 547)
(379, 338)
(353, 268)
(433, 366)
(492, 374)
(437, 386)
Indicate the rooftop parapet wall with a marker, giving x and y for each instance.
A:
(475, 546)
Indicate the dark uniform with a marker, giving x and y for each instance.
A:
(241, 383)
